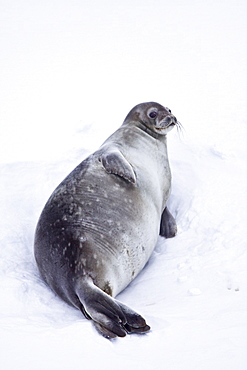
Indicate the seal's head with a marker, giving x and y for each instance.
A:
(152, 116)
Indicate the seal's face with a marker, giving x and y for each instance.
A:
(160, 120)
(154, 117)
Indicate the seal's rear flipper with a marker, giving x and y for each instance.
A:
(127, 328)
(111, 318)
(107, 333)
(135, 322)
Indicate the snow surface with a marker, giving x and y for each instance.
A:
(70, 72)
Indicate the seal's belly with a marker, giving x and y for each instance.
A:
(117, 222)
(101, 225)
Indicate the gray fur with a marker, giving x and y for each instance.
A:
(100, 225)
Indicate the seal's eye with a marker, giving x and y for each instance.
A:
(153, 114)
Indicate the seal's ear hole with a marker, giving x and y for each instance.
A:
(152, 114)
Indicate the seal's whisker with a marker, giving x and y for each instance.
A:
(180, 129)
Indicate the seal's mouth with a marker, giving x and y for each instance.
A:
(168, 121)
(164, 127)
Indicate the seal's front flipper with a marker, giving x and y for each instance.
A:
(114, 162)
(168, 227)
(111, 318)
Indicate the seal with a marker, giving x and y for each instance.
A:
(101, 224)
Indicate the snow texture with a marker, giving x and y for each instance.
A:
(70, 72)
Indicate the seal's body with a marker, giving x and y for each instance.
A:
(101, 224)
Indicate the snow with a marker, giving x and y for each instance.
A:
(70, 72)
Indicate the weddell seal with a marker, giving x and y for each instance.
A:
(101, 224)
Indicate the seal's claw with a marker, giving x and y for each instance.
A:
(103, 331)
(140, 330)
(112, 331)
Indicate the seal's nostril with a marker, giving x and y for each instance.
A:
(167, 120)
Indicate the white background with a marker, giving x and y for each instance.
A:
(70, 71)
